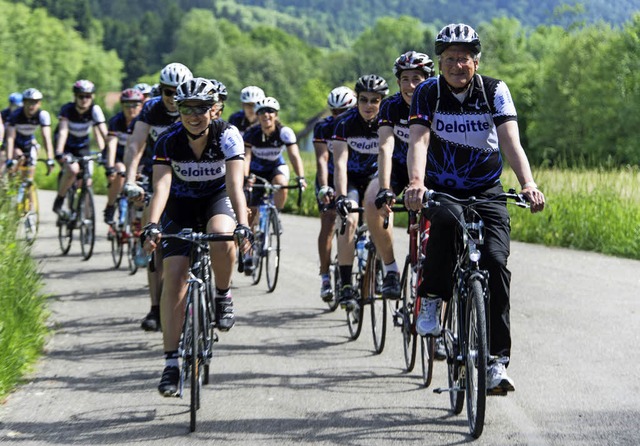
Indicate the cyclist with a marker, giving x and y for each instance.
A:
(15, 101)
(410, 69)
(340, 100)
(145, 89)
(119, 128)
(157, 114)
(464, 119)
(355, 151)
(246, 117)
(75, 121)
(198, 178)
(21, 129)
(264, 144)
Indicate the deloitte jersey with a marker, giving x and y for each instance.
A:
(266, 151)
(80, 125)
(198, 177)
(463, 150)
(26, 127)
(362, 141)
(394, 113)
(322, 133)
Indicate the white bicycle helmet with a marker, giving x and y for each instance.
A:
(412, 60)
(457, 34)
(267, 102)
(84, 86)
(341, 97)
(251, 94)
(220, 88)
(32, 94)
(174, 74)
(145, 89)
(196, 89)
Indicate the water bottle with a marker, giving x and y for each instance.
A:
(20, 193)
(123, 207)
(141, 259)
(361, 251)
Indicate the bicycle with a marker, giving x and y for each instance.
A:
(78, 209)
(119, 232)
(27, 204)
(198, 330)
(465, 330)
(267, 233)
(136, 258)
(408, 308)
(368, 276)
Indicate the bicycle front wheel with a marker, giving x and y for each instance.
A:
(32, 215)
(354, 319)
(196, 360)
(476, 358)
(336, 282)
(117, 247)
(427, 350)
(405, 315)
(65, 225)
(272, 247)
(452, 347)
(87, 220)
(378, 303)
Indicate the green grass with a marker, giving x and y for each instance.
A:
(23, 315)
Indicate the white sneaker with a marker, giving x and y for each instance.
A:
(428, 322)
(497, 378)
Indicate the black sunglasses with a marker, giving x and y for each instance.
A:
(84, 96)
(168, 92)
(262, 111)
(193, 110)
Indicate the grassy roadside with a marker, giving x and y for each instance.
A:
(22, 319)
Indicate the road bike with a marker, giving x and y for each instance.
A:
(27, 204)
(367, 279)
(198, 330)
(78, 210)
(136, 257)
(267, 231)
(407, 309)
(465, 330)
(120, 232)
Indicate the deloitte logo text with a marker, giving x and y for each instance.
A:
(192, 171)
(364, 145)
(465, 126)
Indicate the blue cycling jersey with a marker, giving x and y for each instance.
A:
(362, 141)
(80, 125)
(266, 151)
(394, 112)
(322, 133)
(26, 126)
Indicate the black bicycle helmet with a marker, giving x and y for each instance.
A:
(457, 34)
(372, 83)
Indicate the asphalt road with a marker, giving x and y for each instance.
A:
(287, 373)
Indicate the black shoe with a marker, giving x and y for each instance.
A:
(169, 382)
(440, 353)
(151, 322)
(225, 318)
(348, 298)
(248, 265)
(57, 205)
(391, 286)
(109, 212)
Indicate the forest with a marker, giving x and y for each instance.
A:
(575, 79)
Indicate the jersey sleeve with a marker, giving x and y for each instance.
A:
(288, 136)
(503, 105)
(420, 111)
(384, 117)
(45, 118)
(161, 150)
(232, 143)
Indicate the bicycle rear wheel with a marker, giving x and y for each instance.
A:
(66, 224)
(378, 303)
(272, 246)
(258, 254)
(406, 317)
(87, 219)
(452, 347)
(476, 355)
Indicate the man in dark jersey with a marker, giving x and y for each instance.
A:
(459, 122)
(245, 118)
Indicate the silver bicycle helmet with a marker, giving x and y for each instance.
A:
(267, 102)
(220, 88)
(32, 94)
(197, 89)
(457, 34)
(341, 97)
(84, 86)
(412, 60)
(372, 83)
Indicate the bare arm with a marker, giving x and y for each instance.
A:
(296, 161)
(161, 189)
(509, 140)
(247, 160)
(11, 139)
(48, 141)
(112, 148)
(322, 159)
(340, 159)
(416, 164)
(234, 177)
(63, 134)
(100, 132)
(135, 149)
(386, 143)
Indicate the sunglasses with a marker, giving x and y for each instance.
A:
(168, 92)
(193, 110)
(262, 111)
(84, 96)
(132, 104)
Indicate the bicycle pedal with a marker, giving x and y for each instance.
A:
(498, 391)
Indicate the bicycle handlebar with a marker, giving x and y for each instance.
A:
(430, 196)
(270, 187)
(343, 220)
(188, 235)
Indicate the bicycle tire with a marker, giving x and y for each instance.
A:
(354, 320)
(452, 347)
(65, 225)
(336, 282)
(409, 337)
(196, 357)
(117, 248)
(31, 219)
(132, 248)
(256, 259)
(476, 355)
(427, 352)
(208, 319)
(272, 256)
(87, 219)
(377, 301)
